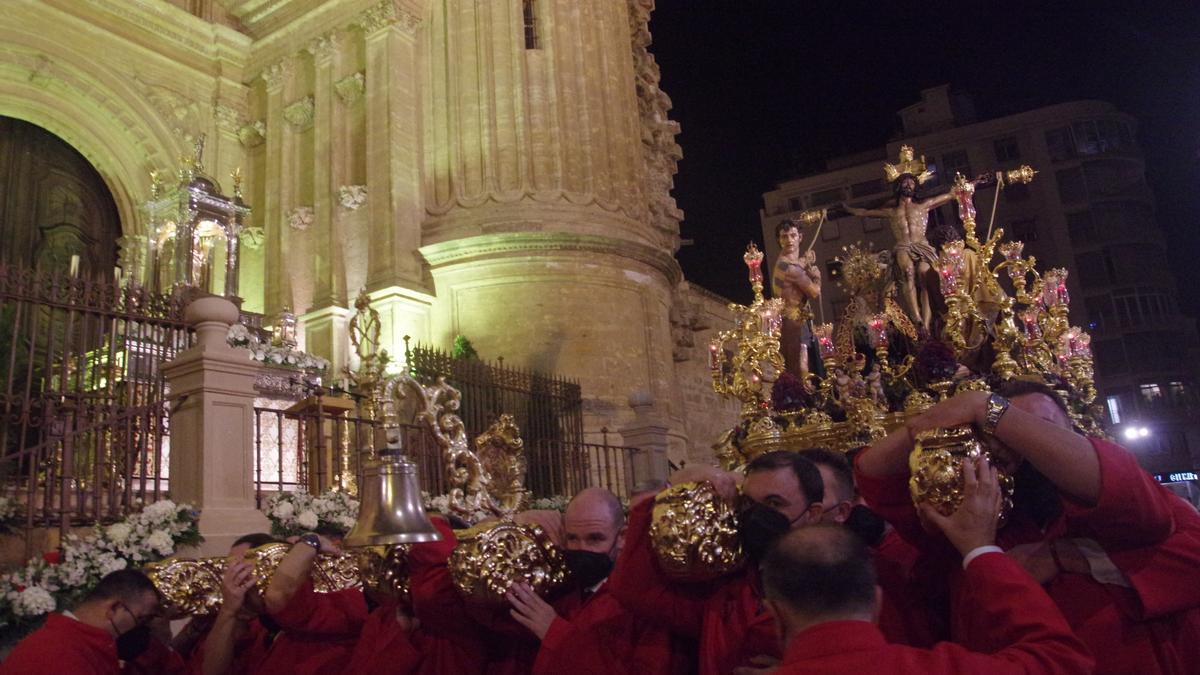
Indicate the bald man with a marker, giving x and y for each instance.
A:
(588, 631)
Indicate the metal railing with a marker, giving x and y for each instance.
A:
(560, 468)
(83, 404)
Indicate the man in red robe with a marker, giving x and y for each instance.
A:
(1083, 501)
(820, 586)
(587, 630)
(727, 617)
(84, 640)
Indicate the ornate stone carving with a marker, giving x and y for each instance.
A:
(227, 118)
(252, 238)
(385, 14)
(660, 152)
(322, 47)
(350, 89)
(179, 111)
(352, 197)
(253, 133)
(277, 73)
(41, 75)
(301, 218)
(686, 320)
(299, 114)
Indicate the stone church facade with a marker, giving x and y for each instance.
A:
(497, 169)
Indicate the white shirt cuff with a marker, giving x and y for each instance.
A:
(978, 551)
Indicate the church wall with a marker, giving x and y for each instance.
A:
(698, 317)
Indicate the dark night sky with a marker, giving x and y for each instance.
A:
(767, 89)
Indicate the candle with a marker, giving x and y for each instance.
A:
(877, 331)
(74, 266)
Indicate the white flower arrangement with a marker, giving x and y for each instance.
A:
(293, 513)
(554, 503)
(274, 355)
(59, 579)
(441, 504)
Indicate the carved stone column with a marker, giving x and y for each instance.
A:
(278, 285)
(393, 146)
(212, 428)
(329, 289)
(649, 434)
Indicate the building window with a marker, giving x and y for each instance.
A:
(956, 162)
(1150, 393)
(794, 204)
(1060, 144)
(1007, 149)
(1025, 230)
(1114, 409)
(529, 11)
(866, 188)
(1071, 187)
(1079, 227)
(830, 231)
(825, 197)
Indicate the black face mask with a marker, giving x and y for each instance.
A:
(758, 526)
(866, 524)
(132, 643)
(588, 568)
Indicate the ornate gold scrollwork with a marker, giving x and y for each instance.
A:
(491, 557)
(694, 533)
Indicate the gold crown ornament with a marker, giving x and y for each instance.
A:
(694, 533)
(935, 467)
(491, 557)
(907, 165)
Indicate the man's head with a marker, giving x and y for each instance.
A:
(838, 481)
(818, 574)
(789, 235)
(906, 186)
(594, 521)
(787, 483)
(123, 601)
(245, 543)
(1037, 399)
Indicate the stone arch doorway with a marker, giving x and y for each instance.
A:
(53, 205)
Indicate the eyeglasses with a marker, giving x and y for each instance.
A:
(139, 620)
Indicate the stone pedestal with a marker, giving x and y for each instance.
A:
(649, 435)
(212, 428)
(325, 332)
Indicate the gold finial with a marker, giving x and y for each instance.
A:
(907, 165)
(236, 177)
(155, 184)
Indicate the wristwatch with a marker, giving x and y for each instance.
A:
(312, 540)
(997, 405)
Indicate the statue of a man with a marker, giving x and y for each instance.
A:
(909, 217)
(796, 279)
(364, 330)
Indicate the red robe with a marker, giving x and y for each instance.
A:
(384, 646)
(319, 632)
(250, 650)
(1035, 636)
(64, 646)
(597, 636)
(727, 616)
(1133, 513)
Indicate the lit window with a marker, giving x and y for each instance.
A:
(1150, 392)
(1114, 409)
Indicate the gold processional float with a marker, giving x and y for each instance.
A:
(998, 318)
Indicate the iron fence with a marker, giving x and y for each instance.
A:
(559, 468)
(84, 433)
(544, 407)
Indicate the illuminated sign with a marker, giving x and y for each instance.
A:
(1176, 476)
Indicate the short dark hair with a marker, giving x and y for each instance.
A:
(122, 585)
(1021, 387)
(806, 472)
(820, 570)
(786, 224)
(255, 540)
(836, 462)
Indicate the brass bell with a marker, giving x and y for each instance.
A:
(391, 511)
